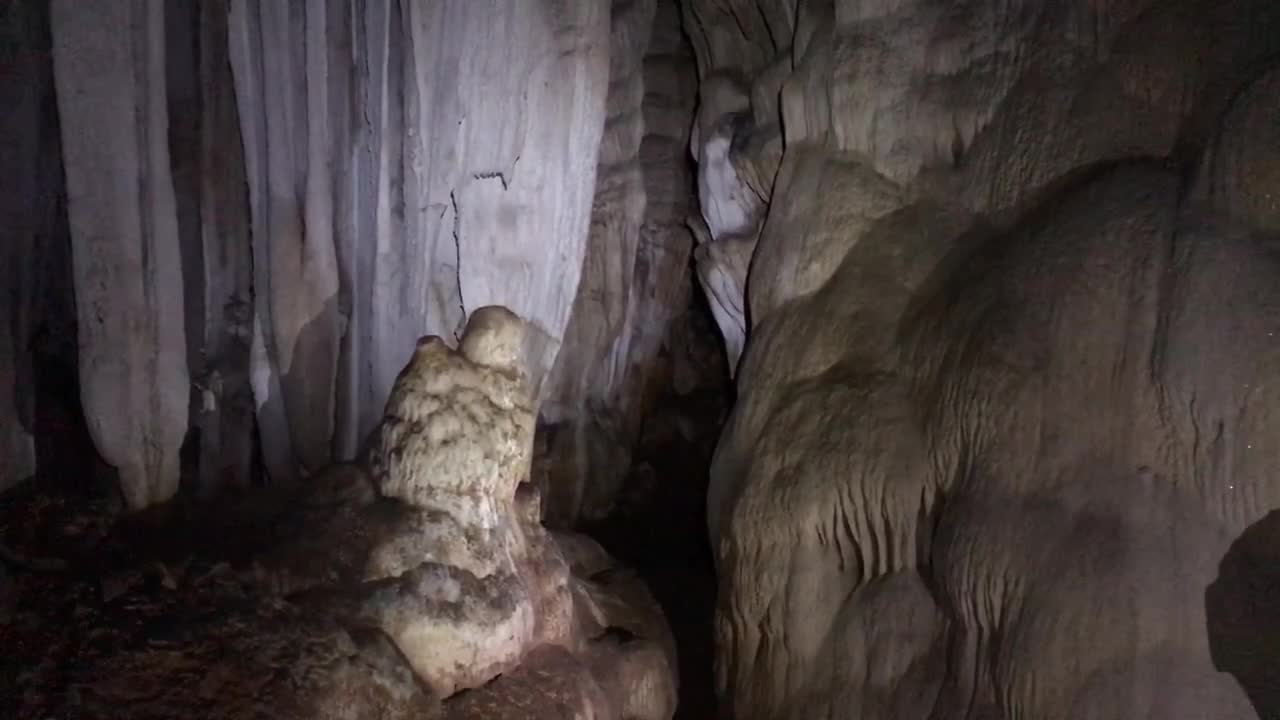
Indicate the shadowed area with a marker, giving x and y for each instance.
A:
(1243, 614)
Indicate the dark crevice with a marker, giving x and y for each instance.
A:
(659, 527)
(1242, 609)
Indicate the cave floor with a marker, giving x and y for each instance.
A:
(83, 584)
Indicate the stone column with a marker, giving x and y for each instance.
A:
(109, 67)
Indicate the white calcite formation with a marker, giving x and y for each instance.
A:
(501, 152)
(458, 426)
(109, 61)
(290, 249)
(473, 584)
(466, 181)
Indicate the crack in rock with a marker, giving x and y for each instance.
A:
(457, 265)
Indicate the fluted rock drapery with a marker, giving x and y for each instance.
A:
(109, 61)
(597, 335)
(403, 163)
(209, 173)
(464, 179)
(286, 71)
(634, 281)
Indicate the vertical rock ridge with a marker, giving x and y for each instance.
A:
(365, 173)
(634, 283)
(109, 65)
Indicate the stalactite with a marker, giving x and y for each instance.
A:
(353, 175)
(280, 54)
(109, 64)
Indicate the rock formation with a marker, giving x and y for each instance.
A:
(635, 286)
(454, 190)
(478, 585)
(996, 282)
(110, 72)
(978, 466)
(466, 180)
(384, 590)
(454, 445)
(311, 240)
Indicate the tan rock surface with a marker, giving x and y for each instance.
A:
(983, 359)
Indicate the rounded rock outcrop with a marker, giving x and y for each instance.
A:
(473, 585)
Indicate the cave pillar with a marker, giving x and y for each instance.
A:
(634, 283)
(109, 70)
(225, 397)
(662, 288)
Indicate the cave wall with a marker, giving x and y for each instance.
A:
(319, 183)
(338, 183)
(895, 142)
(635, 282)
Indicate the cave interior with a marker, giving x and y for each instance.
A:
(640, 359)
